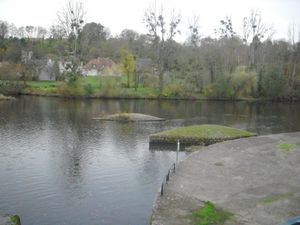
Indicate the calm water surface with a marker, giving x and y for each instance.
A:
(59, 166)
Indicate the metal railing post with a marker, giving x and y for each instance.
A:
(177, 152)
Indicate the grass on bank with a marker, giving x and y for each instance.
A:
(91, 86)
(208, 214)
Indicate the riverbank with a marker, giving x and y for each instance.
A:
(256, 179)
(95, 88)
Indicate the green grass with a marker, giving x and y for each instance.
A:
(44, 84)
(206, 131)
(205, 134)
(286, 146)
(210, 215)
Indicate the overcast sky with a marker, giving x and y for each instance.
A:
(120, 14)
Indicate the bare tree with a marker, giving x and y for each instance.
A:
(162, 34)
(295, 53)
(3, 29)
(41, 32)
(71, 19)
(57, 32)
(254, 31)
(226, 29)
(29, 31)
(194, 28)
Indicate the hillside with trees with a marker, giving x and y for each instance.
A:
(230, 65)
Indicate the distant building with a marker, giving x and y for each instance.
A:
(143, 64)
(96, 66)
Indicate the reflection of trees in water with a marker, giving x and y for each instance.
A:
(70, 134)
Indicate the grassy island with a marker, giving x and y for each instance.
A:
(129, 117)
(199, 135)
(2, 97)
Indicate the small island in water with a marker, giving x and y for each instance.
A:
(129, 117)
(205, 134)
(3, 97)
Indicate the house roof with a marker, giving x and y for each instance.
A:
(99, 63)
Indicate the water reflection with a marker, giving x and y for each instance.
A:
(59, 166)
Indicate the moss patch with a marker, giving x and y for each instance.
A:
(286, 146)
(199, 134)
(271, 199)
(15, 220)
(210, 215)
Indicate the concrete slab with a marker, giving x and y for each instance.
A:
(255, 178)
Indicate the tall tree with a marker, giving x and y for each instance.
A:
(162, 32)
(226, 29)
(71, 19)
(194, 28)
(92, 36)
(295, 54)
(3, 29)
(254, 31)
(128, 64)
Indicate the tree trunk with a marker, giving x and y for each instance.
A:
(294, 71)
(128, 80)
(161, 81)
(135, 80)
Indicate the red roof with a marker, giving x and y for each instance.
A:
(99, 63)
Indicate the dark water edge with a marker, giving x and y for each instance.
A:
(58, 166)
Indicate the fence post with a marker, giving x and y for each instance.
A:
(178, 148)
(168, 176)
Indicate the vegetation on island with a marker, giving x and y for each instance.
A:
(129, 117)
(208, 214)
(228, 65)
(199, 134)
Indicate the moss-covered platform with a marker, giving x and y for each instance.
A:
(205, 134)
(129, 117)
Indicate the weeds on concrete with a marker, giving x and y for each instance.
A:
(208, 214)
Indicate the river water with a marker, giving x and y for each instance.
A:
(59, 166)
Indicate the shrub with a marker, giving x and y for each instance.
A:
(74, 90)
(88, 89)
(241, 83)
(174, 89)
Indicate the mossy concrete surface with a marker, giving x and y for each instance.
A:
(249, 177)
(204, 134)
(129, 117)
(6, 219)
